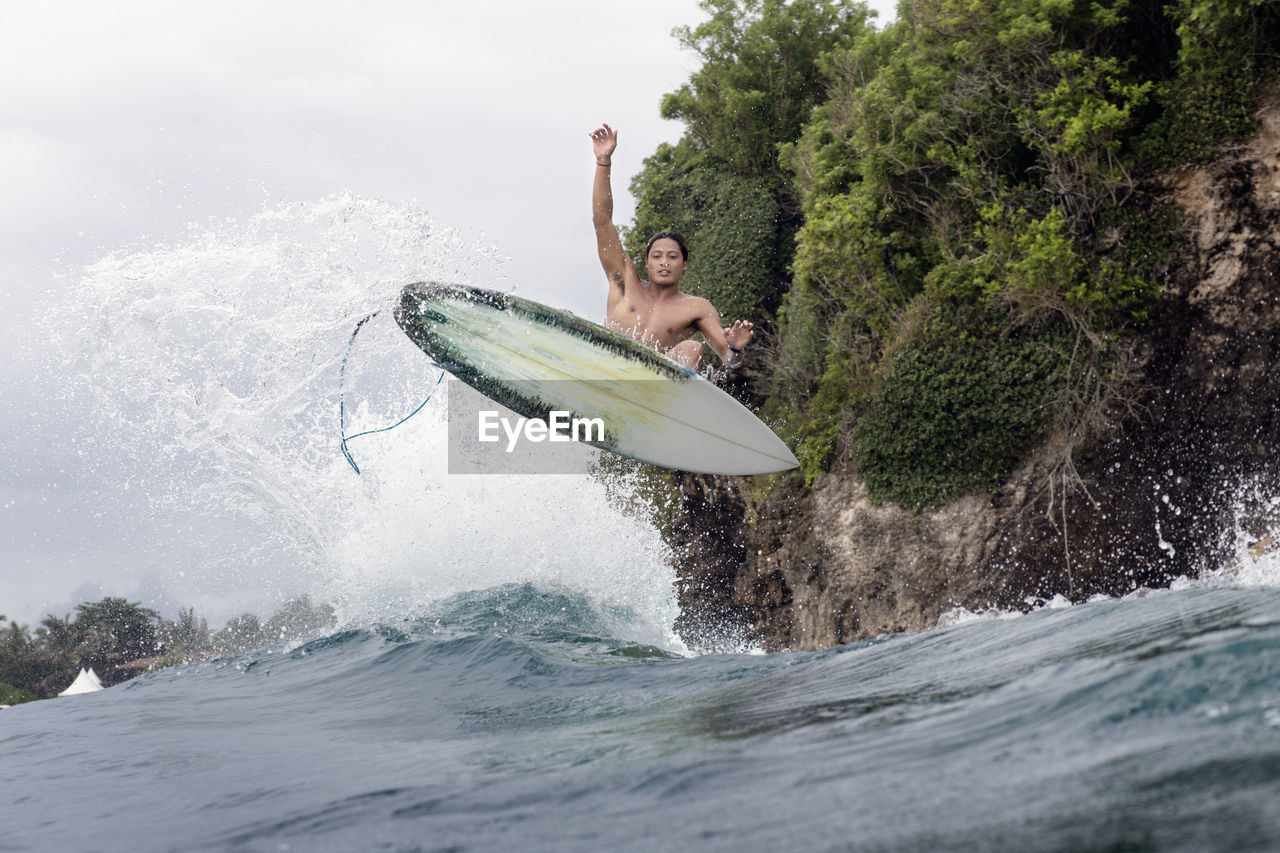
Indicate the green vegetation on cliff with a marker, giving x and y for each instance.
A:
(948, 221)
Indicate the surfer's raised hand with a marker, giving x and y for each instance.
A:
(739, 334)
(604, 140)
(618, 267)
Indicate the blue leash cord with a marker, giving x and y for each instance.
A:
(342, 411)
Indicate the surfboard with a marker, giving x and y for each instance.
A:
(535, 360)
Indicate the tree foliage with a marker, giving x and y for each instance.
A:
(297, 619)
(721, 185)
(118, 639)
(961, 403)
(729, 221)
(22, 663)
(111, 632)
(756, 84)
(973, 163)
(976, 157)
(1226, 49)
(186, 637)
(242, 634)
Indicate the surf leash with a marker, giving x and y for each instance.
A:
(342, 409)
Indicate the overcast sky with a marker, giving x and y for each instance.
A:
(128, 125)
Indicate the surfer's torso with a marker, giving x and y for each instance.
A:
(642, 310)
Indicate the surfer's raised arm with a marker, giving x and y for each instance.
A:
(655, 312)
(617, 266)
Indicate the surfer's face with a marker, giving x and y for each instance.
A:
(665, 261)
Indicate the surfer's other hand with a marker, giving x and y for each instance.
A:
(739, 334)
(604, 140)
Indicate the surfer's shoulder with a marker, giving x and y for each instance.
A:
(698, 305)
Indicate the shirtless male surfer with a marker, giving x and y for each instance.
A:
(655, 312)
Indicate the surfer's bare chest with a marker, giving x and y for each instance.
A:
(663, 323)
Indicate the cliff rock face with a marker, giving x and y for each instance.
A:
(1169, 493)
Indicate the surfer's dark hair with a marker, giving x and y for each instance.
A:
(684, 250)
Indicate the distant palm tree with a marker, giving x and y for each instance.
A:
(58, 655)
(111, 632)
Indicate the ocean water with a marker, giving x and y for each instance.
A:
(506, 677)
(521, 717)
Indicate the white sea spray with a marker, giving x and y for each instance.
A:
(210, 369)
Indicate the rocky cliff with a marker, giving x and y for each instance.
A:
(1184, 475)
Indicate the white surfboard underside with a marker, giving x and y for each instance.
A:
(685, 423)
